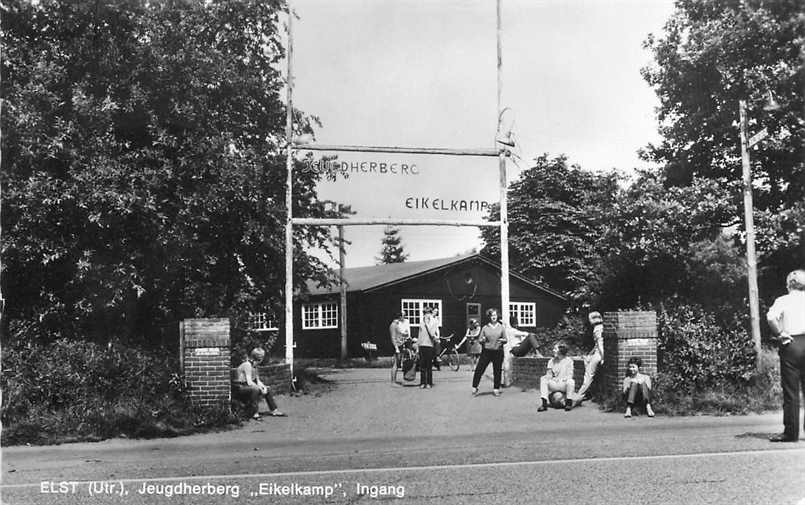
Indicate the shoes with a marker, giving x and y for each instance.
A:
(256, 417)
(428, 386)
(496, 392)
(628, 412)
(649, 412)
(276, 413)
(474, 391)
(782, 437)
(422, 386)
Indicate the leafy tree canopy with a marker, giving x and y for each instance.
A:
(143, 173)
(712, 54)
(555, 215)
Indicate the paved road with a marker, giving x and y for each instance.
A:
(365, 440)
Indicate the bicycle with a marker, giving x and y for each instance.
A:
(449, 354)
(408, 357)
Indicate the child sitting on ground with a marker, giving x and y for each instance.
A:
(636, 388)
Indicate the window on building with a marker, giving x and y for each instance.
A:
(261, 322)
(317, 316)
(412, 308)
(525, 312)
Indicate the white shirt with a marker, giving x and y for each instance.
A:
(789, 313)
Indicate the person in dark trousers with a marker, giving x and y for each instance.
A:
(636, 388)
(249, 388)
(492, 337)
(428, 332)
(787, 321)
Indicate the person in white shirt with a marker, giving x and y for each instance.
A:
(516, 337)
(786, 318)
(249, 388)
(558, 377)
(399, 331)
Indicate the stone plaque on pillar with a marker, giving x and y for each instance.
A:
(205, 358)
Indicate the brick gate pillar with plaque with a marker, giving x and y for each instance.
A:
(205, 360)
(628, 334)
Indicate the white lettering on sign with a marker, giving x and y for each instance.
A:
(639, 341)
(442, 204)
(207, 351)
(326, 166)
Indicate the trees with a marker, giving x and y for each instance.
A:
(392, 250)
(616, 247)
(712, 54)
(659, 243)
(556, 213)
(143, 171)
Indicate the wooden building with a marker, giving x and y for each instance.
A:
(462, 287)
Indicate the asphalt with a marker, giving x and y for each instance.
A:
(365, 440)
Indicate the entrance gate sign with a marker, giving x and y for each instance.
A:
(293, 145)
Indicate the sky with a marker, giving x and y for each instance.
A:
(423, 73)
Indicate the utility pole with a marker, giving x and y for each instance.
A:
(342, 284)
(751, 255)
(504, 211)
(289, 200)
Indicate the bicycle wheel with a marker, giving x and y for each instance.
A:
(451, 357)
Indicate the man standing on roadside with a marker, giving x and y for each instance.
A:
(787, 320)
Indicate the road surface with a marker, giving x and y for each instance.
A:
(365, 441)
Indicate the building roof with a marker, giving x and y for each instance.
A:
(378, 276)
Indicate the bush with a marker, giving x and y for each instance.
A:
(75, 390)
(707, 366)
(569, 330)
(697, 352)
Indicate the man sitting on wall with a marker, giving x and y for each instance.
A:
(248, 387)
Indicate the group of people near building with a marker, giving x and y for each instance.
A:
(496, 344)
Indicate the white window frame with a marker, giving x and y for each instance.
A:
(318, 322)
(516, 310)
(419, 304)
(261, 321)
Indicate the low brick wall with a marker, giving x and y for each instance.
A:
(527, 370)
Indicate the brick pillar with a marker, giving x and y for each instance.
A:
(627, 334)
(205, 357)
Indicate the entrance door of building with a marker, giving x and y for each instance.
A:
(473, 312)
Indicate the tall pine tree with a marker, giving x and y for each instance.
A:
(392, 250)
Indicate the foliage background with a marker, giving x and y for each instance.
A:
(143, 168)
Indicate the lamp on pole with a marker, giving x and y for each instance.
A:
(751, 255)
